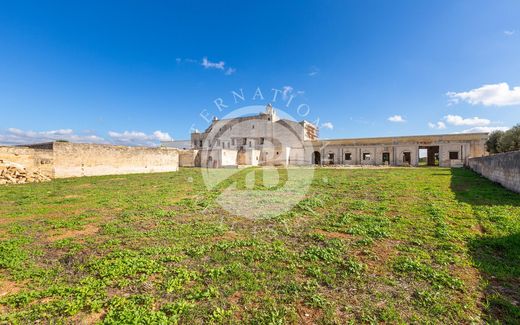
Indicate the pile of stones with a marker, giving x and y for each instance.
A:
(11, 173)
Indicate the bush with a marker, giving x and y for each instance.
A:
(510, 141)
(500, 141)
(493, 141)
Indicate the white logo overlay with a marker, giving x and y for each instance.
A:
(254, 158)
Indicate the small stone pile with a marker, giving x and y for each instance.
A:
(11, 173)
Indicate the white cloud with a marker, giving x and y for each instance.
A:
(313, 71)
(136, 138)
(162, 136)
(459, 121)
(488, 95)
(396, 118)
(487, 129)
(230, 71)
(220, 65)
(14, 136)
(439, 125)
(509, 32)
(212, 65)
(327, 125)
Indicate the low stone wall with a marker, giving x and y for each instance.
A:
(78, 159)
(33, 159)
(502, 168)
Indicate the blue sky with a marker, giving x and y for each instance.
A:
(134, 72)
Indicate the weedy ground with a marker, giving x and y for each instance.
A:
(427, 245)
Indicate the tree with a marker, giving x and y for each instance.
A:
(510, 140)
(492, 143)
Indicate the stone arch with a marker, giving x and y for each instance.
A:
(316, 158)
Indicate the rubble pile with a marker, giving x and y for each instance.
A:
(11, 173)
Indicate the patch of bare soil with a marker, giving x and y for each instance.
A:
(381, 252)
(87, 231)
(229, 235)
(307, 314)
(8, 287)
(92, 318)
(333, 234)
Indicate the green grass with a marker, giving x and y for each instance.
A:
(400, 245)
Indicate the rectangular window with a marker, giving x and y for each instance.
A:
(348, 156)
(454, 155)
(244, 141)
(366, 156)
(233, 141)
(249, 144)
(261, 140)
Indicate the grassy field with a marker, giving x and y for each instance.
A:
(396, 245)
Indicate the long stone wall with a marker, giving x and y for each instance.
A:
(33, 159)
(78, 159)
(65, 159)
(502, 168)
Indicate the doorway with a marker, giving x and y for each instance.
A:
(386, 158)
(316, 157)
(429, 156)
(407, 158)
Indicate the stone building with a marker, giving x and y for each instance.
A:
(266, 139)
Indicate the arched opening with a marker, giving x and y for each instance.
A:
(316, 158)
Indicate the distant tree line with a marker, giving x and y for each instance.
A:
(504, 141)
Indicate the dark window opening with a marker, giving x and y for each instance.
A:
(454, 155)
(348, 156)
(244, 141)
(261, 140)
(331, 158)
(366, 156)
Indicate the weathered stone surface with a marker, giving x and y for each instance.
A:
(64, 159)
(503, 168)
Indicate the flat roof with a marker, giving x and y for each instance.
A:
(408, 138)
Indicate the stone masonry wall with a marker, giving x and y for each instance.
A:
(502, 168)
(78, 159)
(34, 160)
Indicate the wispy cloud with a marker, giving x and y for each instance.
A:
(220, 65)
(213, 65)
(396, 118)
(207, 64)
(487, 129)
(509, 32)
(327, 125)
(313, 71)
(488, 95)
(230, 71)
(439, 125)
(472, 121)
(14, 136)
(137, 138)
